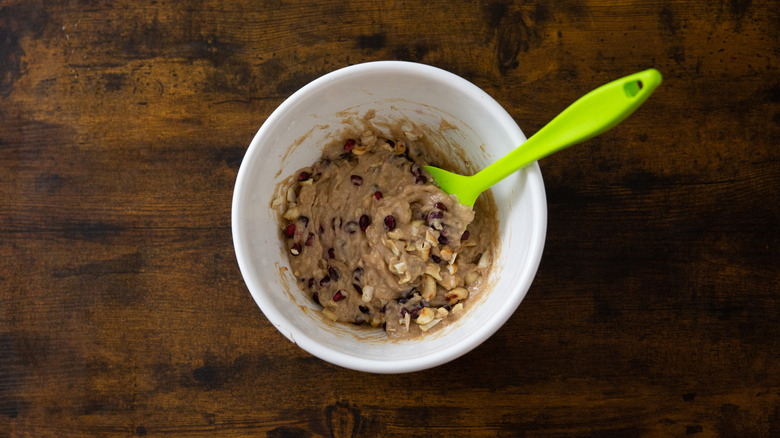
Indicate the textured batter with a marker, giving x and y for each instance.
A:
(374, 241)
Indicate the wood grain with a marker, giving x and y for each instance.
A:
(123, 312)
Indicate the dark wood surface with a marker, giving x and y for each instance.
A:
(122, 309)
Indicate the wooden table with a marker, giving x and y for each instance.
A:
(122, 309)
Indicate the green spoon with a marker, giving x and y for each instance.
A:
(589, 116)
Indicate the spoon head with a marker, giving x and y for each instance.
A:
(461, 186)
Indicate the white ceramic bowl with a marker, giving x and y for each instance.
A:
(293, 136)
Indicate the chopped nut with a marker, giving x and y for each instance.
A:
(472, 277)
(277, 202)
(292, 213)
(426, 315)
(431, 238)
(376, 322)
(450, 281)
(359, 150)
(433, 270)
(398, 268)
(308, 182)
(400, 148)
(329, 314)
(395, 234)
(290, 194)
(484, 261)
(452, 268)
(407, 277)
(411, 136)
(428, 288)
(446, 253)
(457, 308)
(406, 320)
(368, 293)
(441, 313)
(426, 327)
(457, 294)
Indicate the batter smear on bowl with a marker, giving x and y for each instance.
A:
(374, 241)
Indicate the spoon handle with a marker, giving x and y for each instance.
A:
(589, 116)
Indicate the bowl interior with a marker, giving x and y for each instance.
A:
(293, 137)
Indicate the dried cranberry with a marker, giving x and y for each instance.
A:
(416, 312)
(465, 235)
(325, 281)
(390, 223)
(334, 273)
(419, 179)
(331, 253)
(440, 206)
(435, 215)
(296, 249)
(356, 180)
(435, 258)
(316, 297)
(358, 289)
(363, 309)
(320, 229)
(310, 239)
(443, 240)
(339, 296)
(357, 274)
(349, 144)
(416, 169)
(289, 230)
(310, 283)
(304, 176)
(364, 222)
(377, 195)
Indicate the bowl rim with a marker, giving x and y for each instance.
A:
(535, 186)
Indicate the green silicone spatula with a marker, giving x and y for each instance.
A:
(589, 116)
